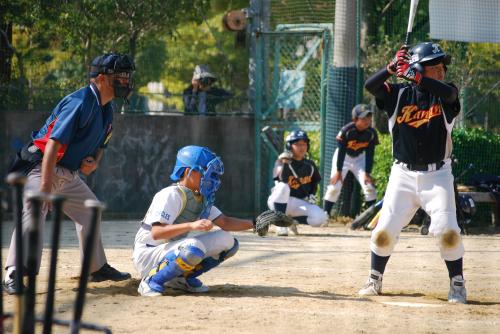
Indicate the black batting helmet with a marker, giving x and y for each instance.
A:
(294, 136)
(428, 53)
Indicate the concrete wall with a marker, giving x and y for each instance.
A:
(141, 155)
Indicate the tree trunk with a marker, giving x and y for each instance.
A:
(6, 51)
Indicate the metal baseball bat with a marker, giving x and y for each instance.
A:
(411, 19)
(366, 215)
(36, 200)
(17, 181)
(96, 208)
(57, 205)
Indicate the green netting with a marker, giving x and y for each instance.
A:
(291, 77)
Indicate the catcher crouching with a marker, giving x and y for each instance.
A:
(175, 244)
(296, 180)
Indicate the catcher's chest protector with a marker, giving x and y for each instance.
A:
(192, 205)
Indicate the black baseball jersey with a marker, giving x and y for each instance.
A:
(302, 176)
(353, 142)
(420, 123)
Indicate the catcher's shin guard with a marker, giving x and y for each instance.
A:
(210, 263)
(175, 265)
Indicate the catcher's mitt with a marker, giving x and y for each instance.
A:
(266, 218)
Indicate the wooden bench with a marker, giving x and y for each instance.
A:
(485, 197)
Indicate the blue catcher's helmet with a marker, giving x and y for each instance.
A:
(294, 136)
(202, 160)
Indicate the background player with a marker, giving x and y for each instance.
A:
(296, 181)
(356, 148)
(72, 140)
(173, 246)
(421, 116)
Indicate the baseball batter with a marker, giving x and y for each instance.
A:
(356, 148)
(173, 246)
(296, 181)
(421, 116)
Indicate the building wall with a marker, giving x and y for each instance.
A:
(141, 155)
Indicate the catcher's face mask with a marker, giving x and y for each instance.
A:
(120, 68)
(210, 180)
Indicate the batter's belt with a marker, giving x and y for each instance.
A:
(422, 167)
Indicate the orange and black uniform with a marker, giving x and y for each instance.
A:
(303, 177)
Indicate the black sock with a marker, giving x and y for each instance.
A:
(379, 262)
(327, 206)
(455, 267)
(301, 219)
(281, 207)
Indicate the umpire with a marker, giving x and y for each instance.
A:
(72, 141)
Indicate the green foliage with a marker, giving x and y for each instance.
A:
(314, 149)
(477, 147)
(383, 162)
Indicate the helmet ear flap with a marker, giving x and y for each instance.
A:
(418, 67)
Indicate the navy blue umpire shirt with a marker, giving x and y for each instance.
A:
(80, 124)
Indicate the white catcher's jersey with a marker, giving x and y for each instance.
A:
(165, 208)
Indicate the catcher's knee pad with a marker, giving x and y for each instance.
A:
(280, 194)
(209, 262)
(370, 192)
(450, 245)
(333, 192)
(175, 263)
(382, 242)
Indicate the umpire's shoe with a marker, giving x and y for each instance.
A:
(9, 285)
(108, 273)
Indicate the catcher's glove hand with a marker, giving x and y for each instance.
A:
(266, 218)
(312, 199)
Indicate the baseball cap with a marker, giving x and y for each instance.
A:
(361, 111)
(202, 71)
(111, 63)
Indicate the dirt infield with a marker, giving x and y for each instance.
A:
(296, 284)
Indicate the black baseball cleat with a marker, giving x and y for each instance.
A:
(108, 273)
(9, 284)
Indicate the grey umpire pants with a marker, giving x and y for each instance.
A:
(69, 184)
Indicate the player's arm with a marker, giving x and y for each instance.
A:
(233, 224)
(316, 179)
(49, 162)
(448, 93)
(376, 84)
(370, 152)
(336, 173)
(161, 231)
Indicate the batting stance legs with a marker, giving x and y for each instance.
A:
(301, 210)
(406, 192)
(178, 264)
